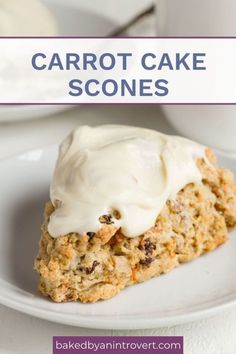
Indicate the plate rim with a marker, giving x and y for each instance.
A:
(115, 324)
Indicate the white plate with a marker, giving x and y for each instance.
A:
(194, 290)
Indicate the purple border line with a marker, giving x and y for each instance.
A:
(112, 37)
(118, 104)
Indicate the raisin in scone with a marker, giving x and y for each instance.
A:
(128, 204)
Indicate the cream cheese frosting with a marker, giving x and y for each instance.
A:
(116, 170)
(25, 18)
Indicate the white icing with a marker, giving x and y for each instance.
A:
(118, 168)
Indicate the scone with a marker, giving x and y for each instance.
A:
(128, 204)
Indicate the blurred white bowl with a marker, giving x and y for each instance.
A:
(72, 20)
(18, 113)
(210, 125)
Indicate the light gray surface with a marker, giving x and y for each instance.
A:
(22, 334)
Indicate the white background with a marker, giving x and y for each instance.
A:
(21, 83)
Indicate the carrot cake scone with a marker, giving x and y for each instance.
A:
(128, 204)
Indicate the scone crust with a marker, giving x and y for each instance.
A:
(97, 266)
